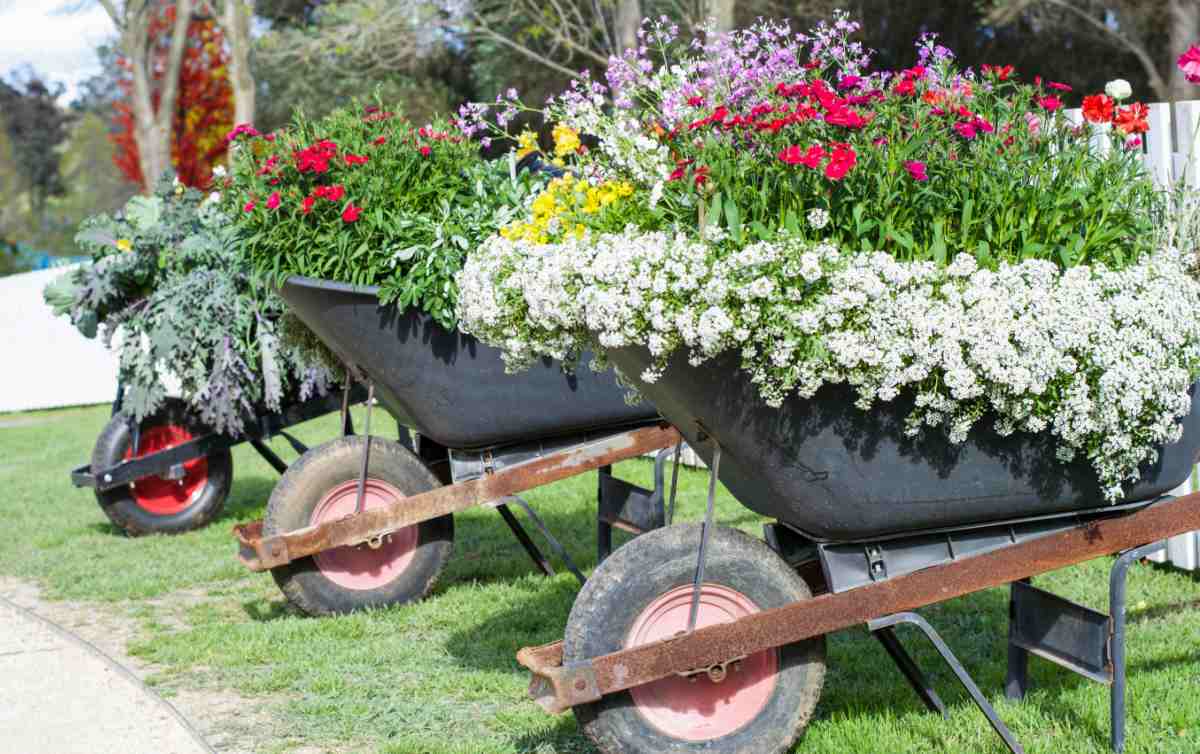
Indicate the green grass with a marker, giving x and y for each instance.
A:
(441, 676)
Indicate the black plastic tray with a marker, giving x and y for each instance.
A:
(447, 385)
(837, 473)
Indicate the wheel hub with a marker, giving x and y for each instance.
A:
(705, 703)
(374, 563)
(179, 486)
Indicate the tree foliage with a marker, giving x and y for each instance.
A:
(36, 127)
(203, 109)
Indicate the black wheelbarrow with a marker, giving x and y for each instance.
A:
(700, 638)
(366, 521)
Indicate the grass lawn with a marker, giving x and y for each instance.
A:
(441, 676)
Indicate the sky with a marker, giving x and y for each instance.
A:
(60, 46)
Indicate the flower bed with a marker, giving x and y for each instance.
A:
(935, 230)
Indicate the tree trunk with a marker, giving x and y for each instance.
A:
(235, 21)
(721, 12)
(1184, 29)
(627, 21)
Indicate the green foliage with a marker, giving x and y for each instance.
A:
(166, 274)
(362, 197)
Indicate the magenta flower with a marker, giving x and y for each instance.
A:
(916, 169)
(1050, 103)
(1189, 63)
(273, 200)
(965, 130)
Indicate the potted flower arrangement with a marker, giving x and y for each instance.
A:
(897, 300)
(167, 290)
(363, 220)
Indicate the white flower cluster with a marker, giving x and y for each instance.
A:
(1101, 359)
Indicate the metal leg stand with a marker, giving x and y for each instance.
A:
(705, 533)
(964, 678)
(366, 459)
(540, 560)
(604, 530)
(269, 455)
(545, 530)
(1116, 595)
(1017, 679)
(912, 673)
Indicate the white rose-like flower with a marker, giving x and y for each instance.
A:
(1118, 89)
(218, 171)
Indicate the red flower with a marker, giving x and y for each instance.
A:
(350, 213)
(1050, 103)
(269, 165)
(315, 159)
(249, 206)
(307, 205)
(906, 88)
(425, 151)
(701, 176)
(1132, 119)
(812, 158)
(791, 155)
(680, 170)
(841, 161)
(1058, 86)
(241, 129)
(1003, 72)
(1189, 63)
(916, 169)
(1098, 108)
(380, 141)
(332, 193)
(845, 116)
(696, 101)
(273, 200)
(965, 130)
(356, 159)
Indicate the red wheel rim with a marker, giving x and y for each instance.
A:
(363, 567)
(701, 709)
(166, 497)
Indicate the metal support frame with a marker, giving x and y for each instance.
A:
(518, 531)
(545, 530)
(628, 507)
(1109, 645)
(889, 621)
(911, 672)
(557, 687)
(263, 553)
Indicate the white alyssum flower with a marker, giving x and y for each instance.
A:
(1118, 89)
(1100, 359)
(818, 218)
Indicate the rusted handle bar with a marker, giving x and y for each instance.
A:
(260, 554)
(558, 688)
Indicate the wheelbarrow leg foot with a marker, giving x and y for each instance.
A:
(912, 673)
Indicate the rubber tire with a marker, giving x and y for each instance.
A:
(647, 567)
(118, 503)
(306, 483)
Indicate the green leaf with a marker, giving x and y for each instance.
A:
(733, 220)
(938, 248)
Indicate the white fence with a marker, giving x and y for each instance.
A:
(44, 361)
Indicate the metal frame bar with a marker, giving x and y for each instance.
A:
(264, 427)
(1116, 596)
(559, 687)
(259, 554)
(889, 621)
(886, 636)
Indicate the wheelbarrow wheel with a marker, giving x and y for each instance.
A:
(157, 504)
(323, 486)
(641, 594)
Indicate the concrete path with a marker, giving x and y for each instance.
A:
(60, 695)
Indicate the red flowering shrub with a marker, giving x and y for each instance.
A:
(364, 197)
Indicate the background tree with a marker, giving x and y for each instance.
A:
(203, 109)
(1154, 33)
(153, 108)
(234, 19)
(36, 126)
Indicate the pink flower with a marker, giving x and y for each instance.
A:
(965, 130)
(425, 151)
(350, 213)
(1050, 103)
(845, 116)
(241, 129)
(1034, 124)
(249, 206)
(1058, 86)
(812, 158)
(789, 155)
(1133, 142)
(273, 200)
(916, 169)
(307, 205)
(1189, 63)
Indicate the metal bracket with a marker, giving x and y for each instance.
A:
(1086, 642)
(886, 622)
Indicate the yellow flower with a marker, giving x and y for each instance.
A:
(526, 143)
(124, 244)
(566, 140)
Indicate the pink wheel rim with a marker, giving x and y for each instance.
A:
(364, 567)
(166, 497)
(701, 709)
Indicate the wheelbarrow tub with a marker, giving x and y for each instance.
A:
(447, 385)
(840, 474)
